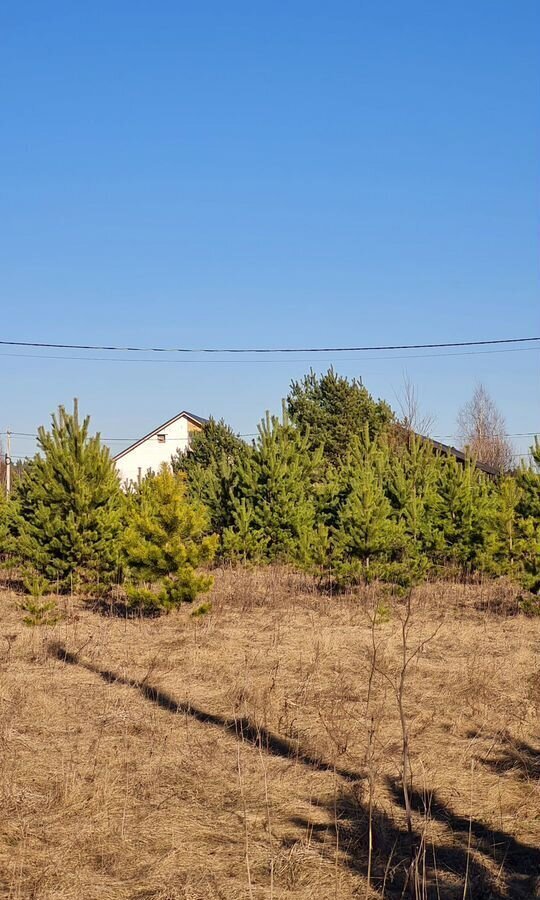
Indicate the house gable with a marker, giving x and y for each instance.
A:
(195, 423)
(157, 447)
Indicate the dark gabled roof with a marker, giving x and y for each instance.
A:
(462, 456)
(198, 420)
(459, 454)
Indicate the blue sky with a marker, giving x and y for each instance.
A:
(299, 174)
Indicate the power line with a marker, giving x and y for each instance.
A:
(30, 435)
(501, 434)
(431, 346)
(239, 359)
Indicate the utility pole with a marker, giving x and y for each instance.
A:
(8, 462)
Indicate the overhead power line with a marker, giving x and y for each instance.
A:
(358, 349)
(32, 436)
(268, 358)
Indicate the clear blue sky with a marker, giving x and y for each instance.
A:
(248, 174)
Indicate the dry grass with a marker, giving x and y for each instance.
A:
(231, 756)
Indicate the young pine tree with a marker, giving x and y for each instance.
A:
(465, 522)
(507, 545)
(210, 465)
(528, 479)
(4, 523)
(528, 551)
(331, 411)
(207, 446)
(275, 491)
(369, 543)
(412, 488)
(68, 507)
(243, 540)
(166, 542)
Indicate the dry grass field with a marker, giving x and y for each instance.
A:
(256, 752)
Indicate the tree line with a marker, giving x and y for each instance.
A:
(337, 485)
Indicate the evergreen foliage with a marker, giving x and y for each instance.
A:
(332, 487)
(273, 496)
(528, 479)
(207, 446)
(210, 465)
(66, 513)
(370, 542)
(332, 411)
(166, 542)
(243, 539)
(387, 506)
(412, 487)
(507, 537)
(463, 522)
(4, 523)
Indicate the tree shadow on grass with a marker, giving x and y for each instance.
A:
(118, 608)
(517, 861)
(471, 861)
(516, 757)
(496, 867)
(242, 727)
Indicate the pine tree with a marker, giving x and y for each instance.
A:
(528, 479)
(243, 540)
(369, 543)
(208, 446)
(412, 489)
(68, 506)
(507, 548)
(276, 481)
(466, 516)
(211, 467)
(4, 523)
(332, 411)
(166, 542)
(535, 452)
(529, 553)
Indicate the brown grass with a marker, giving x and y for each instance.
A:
(232, 756)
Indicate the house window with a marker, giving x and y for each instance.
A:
(161, 438)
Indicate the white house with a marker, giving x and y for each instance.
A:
(157, 447)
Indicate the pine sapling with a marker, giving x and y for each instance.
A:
(165, 544)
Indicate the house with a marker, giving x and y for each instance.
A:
(157, 447)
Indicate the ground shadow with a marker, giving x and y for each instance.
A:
(242, 727)
(519, 862)
(118, 608)
(470, 861)
(516, 757)
(496, 867)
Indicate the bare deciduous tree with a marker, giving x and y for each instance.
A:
(482, 430)
(412, 417)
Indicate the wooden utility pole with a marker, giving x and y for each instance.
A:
(8, 462)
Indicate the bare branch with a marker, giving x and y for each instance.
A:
(482, 430)
(412, 417)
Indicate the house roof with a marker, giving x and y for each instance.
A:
(197, 420)
(459, 454)
(462, 456)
